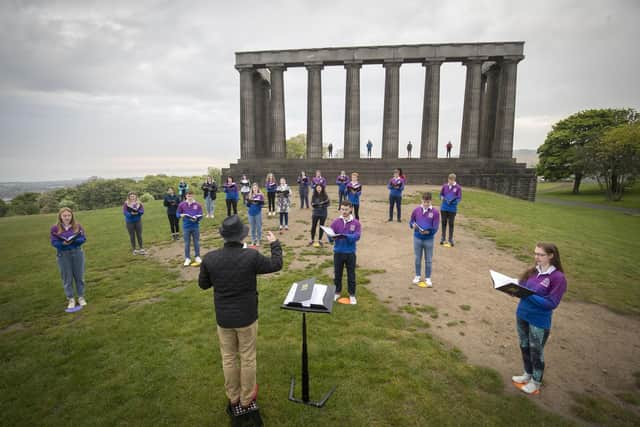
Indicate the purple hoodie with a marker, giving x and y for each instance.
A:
(549, 287)
(57, 238)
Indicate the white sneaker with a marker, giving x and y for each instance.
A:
(72, 303)
(336, 296)
(142, 251)
(187, 262)
(135, 252)
(429, 283)
(199, 260)
(352, 300)
(286, 227)
(416, 280)
(82, 301)
(521, 379)
(532, 387)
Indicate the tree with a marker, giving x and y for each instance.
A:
(297, 147)
(618, 155)
(3, 208)
(569, 147)
(26, 204)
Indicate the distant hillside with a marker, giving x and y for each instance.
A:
(530, 157)
(9, 190)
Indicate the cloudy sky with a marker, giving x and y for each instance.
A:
(127, 88)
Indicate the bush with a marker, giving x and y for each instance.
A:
(66, 203)
(146, 198)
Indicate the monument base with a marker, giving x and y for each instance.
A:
(503, 176)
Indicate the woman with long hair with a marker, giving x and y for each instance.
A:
(320, 205)
(133, 211)
(272, 186)
(283, 193)
(210, 189)
(67, 236)
(255, 202)
(547, 281)
(231, 195)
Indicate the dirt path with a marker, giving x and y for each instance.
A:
(590, 350)
(555, 201)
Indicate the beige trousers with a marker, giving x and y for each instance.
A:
(239, 378)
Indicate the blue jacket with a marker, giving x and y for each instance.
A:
(132, 214)
(395, 186)
(350, 230)
(450, 197)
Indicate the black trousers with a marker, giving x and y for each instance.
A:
(314, 223)
(135, 231)
(397, 201)
(447, 218)
(339, 262)
(356, 211)
(174, 223)
(232, 203)
(272, 201)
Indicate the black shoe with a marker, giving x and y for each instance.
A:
(399, 220)
(442, 242)
(451, 243)
(390, 219)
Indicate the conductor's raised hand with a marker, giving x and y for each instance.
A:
(271, 237)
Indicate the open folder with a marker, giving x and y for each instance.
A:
(306, 295)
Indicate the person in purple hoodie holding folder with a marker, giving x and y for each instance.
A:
(533, 315)
(133, 211)
(347, 229)
(67, 236)
(450, 194)
(395, 186)
(191, 213)
(425, 220)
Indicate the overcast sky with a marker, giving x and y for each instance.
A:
(128, 88)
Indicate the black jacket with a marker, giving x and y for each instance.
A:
(232, 272)
(171, 203)
(210, 189)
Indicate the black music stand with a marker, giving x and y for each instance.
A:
(325, 306)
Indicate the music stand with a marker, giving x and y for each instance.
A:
(325, 306)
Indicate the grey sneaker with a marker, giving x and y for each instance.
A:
(71, 303)
(521, 379)
(82, 301)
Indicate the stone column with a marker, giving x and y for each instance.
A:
(260, 97)
(247, 113)
(488, 115)
(431, 109)
(352, 111)
(278, 129)
(471, 113)
(391, 120)
(314, 110)
(506, 108)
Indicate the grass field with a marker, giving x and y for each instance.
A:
(589, 193)
(599, 249)
(143, 352)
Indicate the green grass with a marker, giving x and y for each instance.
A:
(599, 249)
(602, 411)
(144, 351)
(589, 193)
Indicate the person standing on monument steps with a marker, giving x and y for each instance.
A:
(369, 147)
(449, 147)
(330, 149)
(533, 315)
(450, 194)
(409, 148)
(231, 271)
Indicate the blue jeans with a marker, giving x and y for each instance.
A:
(532, 341)
(255, 222)
(188, 234)
(71, 264)
(209, 201)
(420, 246)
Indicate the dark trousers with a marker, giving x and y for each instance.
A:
(304, 197)
(356, 211)
(173, 223)
(284, 219)
(272, 201)
(135, 231)
(342, 195)
(447, 218)
(314, 223)
(395, 200)
(532, 341)
(339, 262)
(232, 203)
